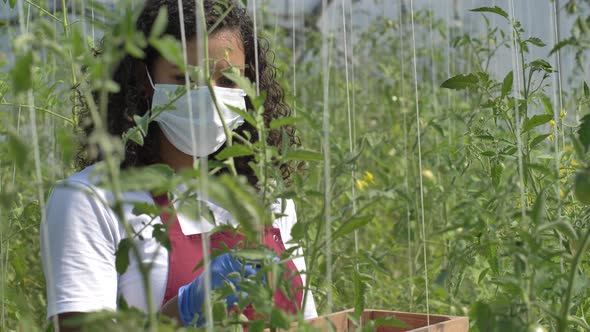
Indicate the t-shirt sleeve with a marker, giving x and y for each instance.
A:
(78, 242)
(285, 224)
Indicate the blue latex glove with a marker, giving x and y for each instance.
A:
(191, 297)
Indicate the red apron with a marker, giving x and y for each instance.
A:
(186, 253)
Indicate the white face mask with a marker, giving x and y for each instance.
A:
(177, 125)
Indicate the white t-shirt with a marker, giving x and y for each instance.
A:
(83, 234)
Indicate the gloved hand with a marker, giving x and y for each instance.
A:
(191, 297)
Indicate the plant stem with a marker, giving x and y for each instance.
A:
(113, 170)
(565, 308)
(226, 130)
(70, 121)
(44, 11)
(66, 27)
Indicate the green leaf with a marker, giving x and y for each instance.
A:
(169, 48)
(578, 146)
(243, 113)
(566, 42)
(12, 3)
(460, 82)
(67, 143)
(281, 122)
(584, 132)
(541, 65)
(303, 155)
(277, 319)
(134, 135)
(494, 10)
(236, 150)
(251, 254)
(122, 255)
(140, 208)
(142, 122)
(161, 235)
(242, 81)
(564, 226)
(507, 84)
(160, 23)
(22, 73)
(586, 90)
(240, 199)
(547, 105)
(351, 225)
(537, 140)
(153, 178)
(538, 212)
(483, 274)
(488, 153)
(18, 149)
(496, 173)
(483, 316)
(535, 41)
(535, 121)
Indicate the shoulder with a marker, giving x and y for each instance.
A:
(78, 205)
(88, 185)
(76, 189)
(82, 201)
(80, 184)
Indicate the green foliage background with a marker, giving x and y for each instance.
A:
(507, 263)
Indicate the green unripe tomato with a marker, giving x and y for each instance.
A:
(582, 186)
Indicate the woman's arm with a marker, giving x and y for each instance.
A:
(78, 244)
(170, 309)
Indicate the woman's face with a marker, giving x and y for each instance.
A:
(225, 50)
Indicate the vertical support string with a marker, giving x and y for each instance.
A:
(556, 119)
(202, 79)
(352, 71)
(326, 150)
(294, 57)
(406, 154)
(187, 78)
(351, 120)
(38, 175)
(254, 18)
(419, 139)
(517, 82)
(433, 72)
(92, 26)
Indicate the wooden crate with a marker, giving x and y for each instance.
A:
(415, 322)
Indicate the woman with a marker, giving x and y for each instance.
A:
(83, 234)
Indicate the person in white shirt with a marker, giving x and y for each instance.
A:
(81, 232)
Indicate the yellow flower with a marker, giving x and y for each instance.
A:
(428, 175)
(361, 184)
(552, 123)
(562, 114)
(369, 178)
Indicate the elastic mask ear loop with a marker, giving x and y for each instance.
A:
(153, 90)
(150, 78)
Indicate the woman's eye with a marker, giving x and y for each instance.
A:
(181, 79)
(225, 82)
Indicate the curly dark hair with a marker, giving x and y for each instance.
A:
(135, 93)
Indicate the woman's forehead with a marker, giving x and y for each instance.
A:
(223, 46)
